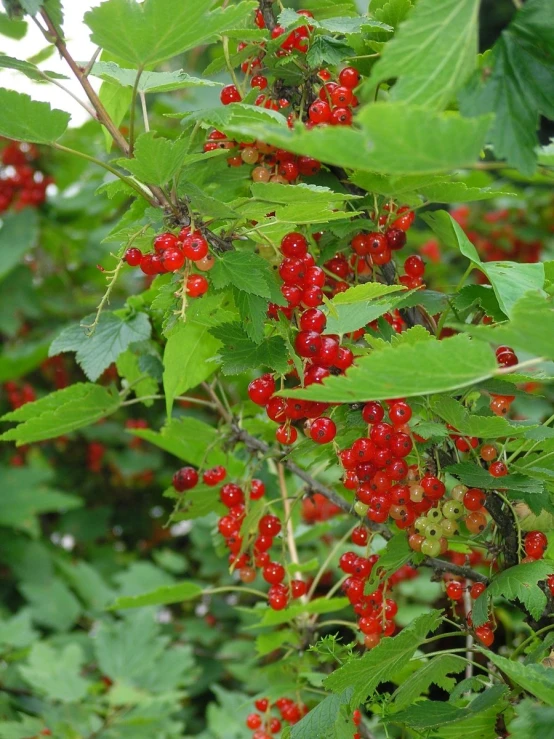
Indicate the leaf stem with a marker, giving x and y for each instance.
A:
(132, 112)
(529, 639)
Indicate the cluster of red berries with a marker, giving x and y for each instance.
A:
(455, 590)
(245, 557)
(21, 183)
(19, 395)
(264, 724)
(375, 611)
(317, 508)
(171, 252)
(377, 247)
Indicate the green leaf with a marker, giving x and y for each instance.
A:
(56, 673)
(395, 554)
(129, 368)
(239, 353)
(379, 665)
(156, 160)
(432, 714)
(510, 280)
(516, 583)
(186, 355)
(405, 371)
(28, 69)
(447, 32)
(112, 336)
(52, 603)
(149, 81)
(243, 270)
(327, 50)
(530, 329)
(253, 313)
(516, 83)
(392, 12)
(469, 424)
(151, 32)
(18, 631)
(60, 413)
(26, 493)
(320, 721)
(159, 597)
(117, 102)
(196, 503)
(392, 138)
(319, 605)
(535, 679)
(359, 305)
(18, 234)
(532, 720)
(12, 27)
(435, 672)
(28, 120)
(191, 441)
(273, 640)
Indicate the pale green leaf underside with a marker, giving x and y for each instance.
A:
(28, 120)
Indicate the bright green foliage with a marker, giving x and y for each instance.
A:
(435, 672)
(485, 427)
(148, 81)
(516, 82)
(359, 305)
(365, 674)
(60, 413)
(448, 365)
(57, 674)
(112, 336)
(521, 583)
(26, 494)
(18, 235)
(430, 33)
(28, 120)
(161, 596)
(156, 160)
(510, 280)
(322, 721)
(535, 679)
(149, 33)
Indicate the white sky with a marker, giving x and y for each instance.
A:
(80, 47)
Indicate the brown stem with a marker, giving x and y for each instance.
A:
(266, 6)
(507, 528)
(101, 112)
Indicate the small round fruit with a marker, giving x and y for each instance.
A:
(476, 589)
(430, 547)
(197, 285)
(323, 430)
(185, 479)
(286, 434)
(261, 389)
(455, 590)
(133, 256)
(476, 522)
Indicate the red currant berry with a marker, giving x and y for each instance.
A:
(261, 389)
(476, 589)
(294, 245)
(396, 238)
(257, 489)
(133, 256)
(320, 112)
(313, 320)
(230, 94)
(498, 469)
(373, 412)
(173, 259)
(185, 479)
(307, 343)
(323, 430)
(273, 573)
(455, 590)
(414, 266)
(214, 475)
(349, 77)
(197, 285)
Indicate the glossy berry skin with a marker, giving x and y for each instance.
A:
(359, 536)
(253, 721)
(550, 583)
(498, 469)
(262, 704)
(214, 475)
(373, 412)
(269, 525)
(535, 544)
(313, 320)
(273, 573)
(298, 588)
(476, 589)
(165, 241)
(320, 112)
(231, 495)
(376, 244)
(195, 247)
(341, 117)
(349, 77)
(400, 412)
(396, 238)
(229, 94)
(294, 244)
(257, 489)
(307, 344)
(455, 590)
(197, 285)
(185, 479)
(277, 598)
(173, 259)
(474, 499)
(414, 266)
(485, 635)
(323, 430)
(261, 389)
(133, 256)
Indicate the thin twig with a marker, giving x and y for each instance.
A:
(289, 527)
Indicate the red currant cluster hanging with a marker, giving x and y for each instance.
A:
(22, 184)
(171, 252)
(264, 723)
